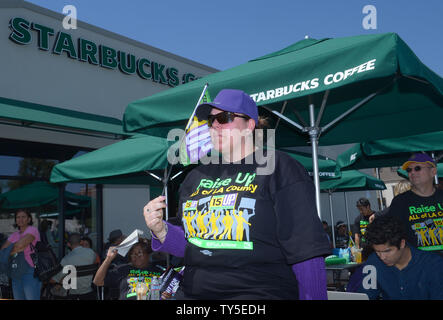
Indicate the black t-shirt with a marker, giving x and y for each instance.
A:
(125, 278)
(341, 241)
(360, 225)
(422, 218)
(245, 230)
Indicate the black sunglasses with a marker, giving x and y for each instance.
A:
(224, 117)
(416, 168)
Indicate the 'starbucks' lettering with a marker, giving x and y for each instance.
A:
(88, 51)
(64, 43)
(20, 31)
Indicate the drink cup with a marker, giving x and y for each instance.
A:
(141, 290)
(357, 255)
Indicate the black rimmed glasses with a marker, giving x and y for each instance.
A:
(224, 117)
(416, 169)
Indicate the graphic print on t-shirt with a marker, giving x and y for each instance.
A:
(136, 275)
(363, 225)
(427, 224)
(221, 218)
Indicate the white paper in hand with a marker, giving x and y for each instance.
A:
(130, 240)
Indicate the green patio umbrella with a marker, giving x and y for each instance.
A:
(129, 161)
(40, 195)
(393, 63)
(140, 159)
(56, 214)
(44, 197)
(123, 162)
(389, 152)
(137, 159)
(350, 180)
(353, 180)
(328, 168)
(328, 91)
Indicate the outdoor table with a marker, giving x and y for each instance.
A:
(337, 269)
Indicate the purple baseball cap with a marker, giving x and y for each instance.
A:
(230, 100)
(420, 158)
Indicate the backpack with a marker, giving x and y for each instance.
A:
(45, 261)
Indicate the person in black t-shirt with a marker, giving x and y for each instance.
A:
(250, 224)
(421, 208)
(362, 221)
(341, 235)
(124, 277)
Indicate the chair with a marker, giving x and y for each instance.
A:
(91, 269)
(87, 270)
(100, 293)
(82, 271)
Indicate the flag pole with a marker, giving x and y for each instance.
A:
(183, 137)
(195, 108)
(168, 169)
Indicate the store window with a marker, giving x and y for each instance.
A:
(28, 178)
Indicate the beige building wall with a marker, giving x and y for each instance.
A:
(32, 74)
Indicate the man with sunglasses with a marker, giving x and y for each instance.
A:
(421, 208)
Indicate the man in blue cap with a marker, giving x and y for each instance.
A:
(421, 208)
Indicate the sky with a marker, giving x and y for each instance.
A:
(225, 33)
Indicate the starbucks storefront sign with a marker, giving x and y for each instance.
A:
(89, 51)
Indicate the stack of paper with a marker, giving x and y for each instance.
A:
(126, 244)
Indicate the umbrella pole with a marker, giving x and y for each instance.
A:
(61, 220)
(347, 211)
(332, 218)
(436, 176)
(99, 216)
(165, 191)
(281, 111)
(380, 193)
(313, 135)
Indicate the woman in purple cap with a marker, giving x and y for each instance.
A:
(250, 229)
